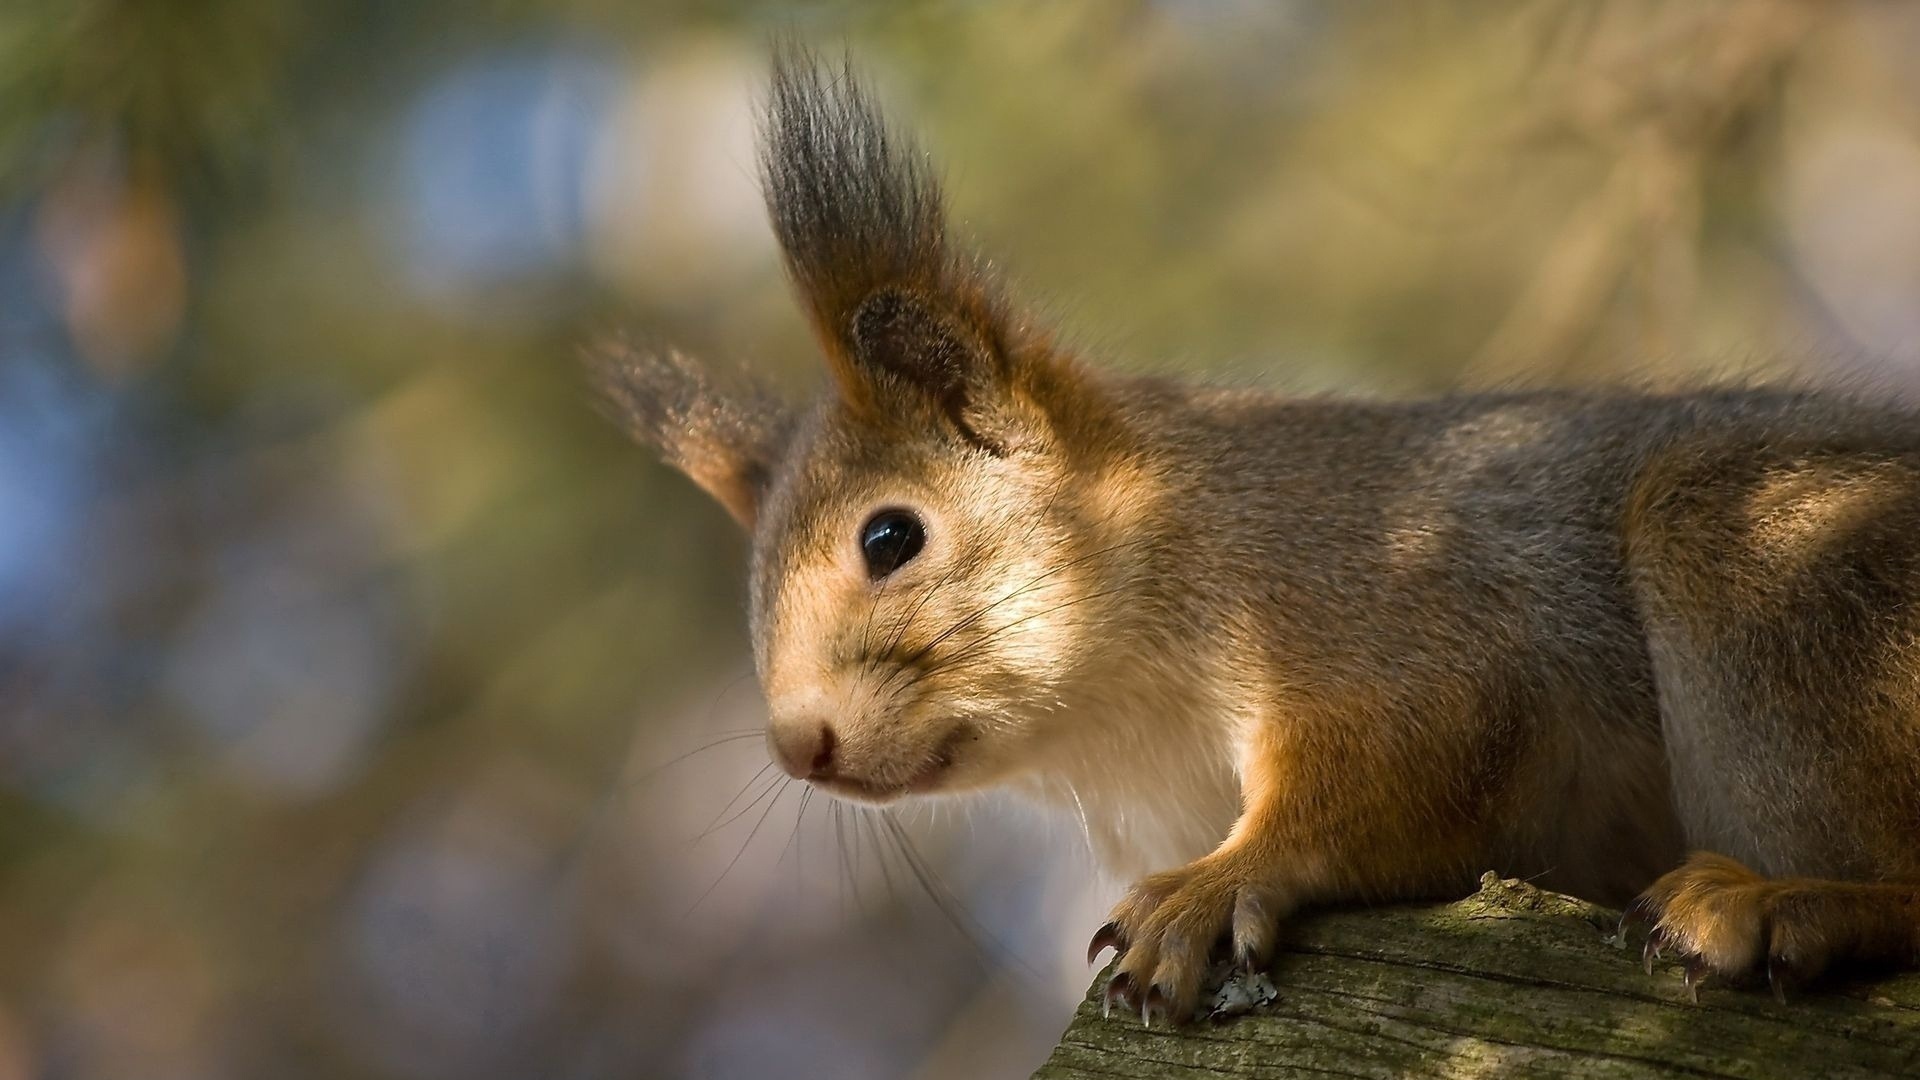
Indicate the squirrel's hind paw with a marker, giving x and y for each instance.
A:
(1721, 920)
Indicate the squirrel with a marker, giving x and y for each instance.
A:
(1279, 653)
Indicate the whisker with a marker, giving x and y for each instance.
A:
(735, 861)
(751, 780)
(910, 674)
(987, 638)
(855, 814)
(880, 856)
(955, 909)
(1021, 591)
(743, 811)
(900, 630)
(867, 627)
(723, 740)
(805, 794)
(721, 695)
(840, 854)
(849, 880)
(906, 621)
(974, 646)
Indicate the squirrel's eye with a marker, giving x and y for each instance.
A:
(890, 539)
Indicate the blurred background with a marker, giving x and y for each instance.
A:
(369, 709)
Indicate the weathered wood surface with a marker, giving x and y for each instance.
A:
(1512, 981)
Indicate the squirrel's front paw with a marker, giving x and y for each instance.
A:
(1172, 925)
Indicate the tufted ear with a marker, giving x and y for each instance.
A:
(901, 313)
(727, 441)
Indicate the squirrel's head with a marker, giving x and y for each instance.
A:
(940, 542)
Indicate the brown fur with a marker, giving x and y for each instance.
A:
(1312, 651)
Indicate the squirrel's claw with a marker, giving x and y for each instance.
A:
(1120, 988)
(1156, 1004)
(1638, 916)
(1107, 937)
(1781, 977)
(1697, 972)
(1650, 952)
(1249, 960)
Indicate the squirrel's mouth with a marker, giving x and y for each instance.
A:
(930, 777)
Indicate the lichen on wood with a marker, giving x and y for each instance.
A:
(1512, 981)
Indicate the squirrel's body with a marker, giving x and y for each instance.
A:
(1291, 652)
(1468, 592)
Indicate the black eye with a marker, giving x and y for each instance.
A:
(890, 539)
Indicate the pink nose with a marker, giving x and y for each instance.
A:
(804, 751)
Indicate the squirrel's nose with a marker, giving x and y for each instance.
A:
(804, 751)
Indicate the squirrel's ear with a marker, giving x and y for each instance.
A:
(728, 442)
(863, 233)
